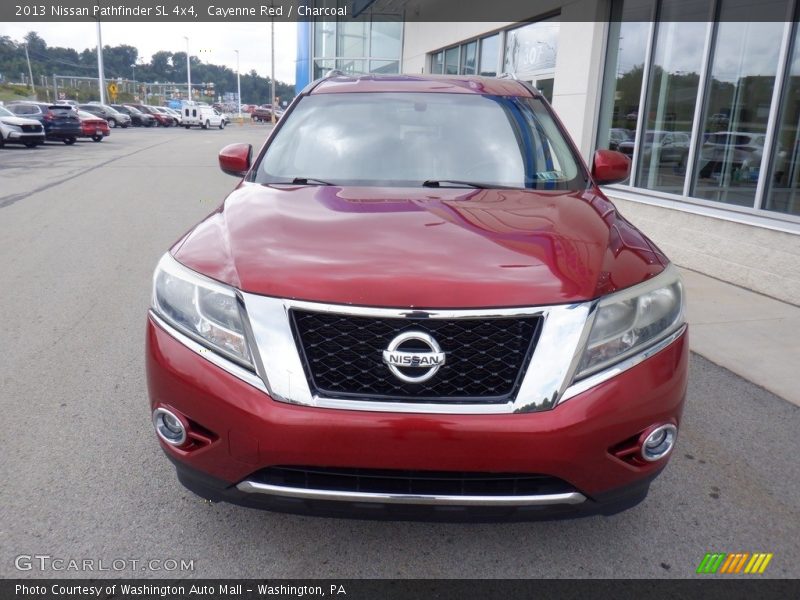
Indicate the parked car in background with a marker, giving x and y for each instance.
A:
(738, 152)
(138, 118)
(162, 118)
(668, 146)
(176, 115)
(18, 130)
(159, 120)
(60, 121)
(108, 113)
(300, 358)
(618, 135)
(201, 115)
(263, 113)
(93, 126)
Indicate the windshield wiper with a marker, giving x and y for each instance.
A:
(439, 183)
(435, 183)
(309, 181)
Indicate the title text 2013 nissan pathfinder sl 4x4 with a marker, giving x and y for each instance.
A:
(418, 303)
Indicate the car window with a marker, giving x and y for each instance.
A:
(5, 112)
(404, 139)
(62, 111)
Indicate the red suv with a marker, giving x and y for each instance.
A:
(418, 302)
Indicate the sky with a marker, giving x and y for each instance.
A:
(210, 42)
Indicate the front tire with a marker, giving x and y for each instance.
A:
(206, 125)
(222, 124)
(112, 123)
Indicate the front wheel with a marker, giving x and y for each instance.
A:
(69, 141)
(112, 123)
(222, 124)
(206, 125)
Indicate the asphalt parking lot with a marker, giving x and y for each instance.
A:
(81, 229)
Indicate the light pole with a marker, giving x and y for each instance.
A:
(133, 66)
(238, 86)
(272, 66)
(101, 79)
(30, 72)
(188, 69)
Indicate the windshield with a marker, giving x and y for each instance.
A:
(406, 139)
(5, 112)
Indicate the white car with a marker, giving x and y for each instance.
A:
(201, 115)
(18, 130)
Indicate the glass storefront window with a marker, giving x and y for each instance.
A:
(437, 63)
(352, 39)
(731, 76)
(371, 44)
(737, 105)
(351, 66)
(468, 56)
(384, 66)
(627, 50)
(672, 94)
(451, 61)
(386, 38)
(325, 39)
(490, 49)
(783, 191)
(321, 67)
(532, 48)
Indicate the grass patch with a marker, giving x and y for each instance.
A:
(10, 93)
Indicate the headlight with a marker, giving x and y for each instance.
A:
(205, 310)
(13, 127)
(628, 321)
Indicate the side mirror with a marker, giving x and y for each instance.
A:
(610, 167)
(234, 159)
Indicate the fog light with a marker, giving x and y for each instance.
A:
(659, 442)
(169, 427)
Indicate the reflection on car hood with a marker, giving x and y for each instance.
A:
(419, 247)
(19, 121)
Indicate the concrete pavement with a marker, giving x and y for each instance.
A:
(755, 336)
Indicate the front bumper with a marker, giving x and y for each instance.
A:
(24, 137)
(244, 431)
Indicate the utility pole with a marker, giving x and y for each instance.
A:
(100, 72)
(188, 69)
(238, 86)
(272, 65)
(30, 72)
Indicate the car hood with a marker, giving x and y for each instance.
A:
(19, 121)
(427, 248)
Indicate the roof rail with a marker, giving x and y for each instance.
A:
(334, 73)
(508, 76)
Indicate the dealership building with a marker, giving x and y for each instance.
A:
(705, 101)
